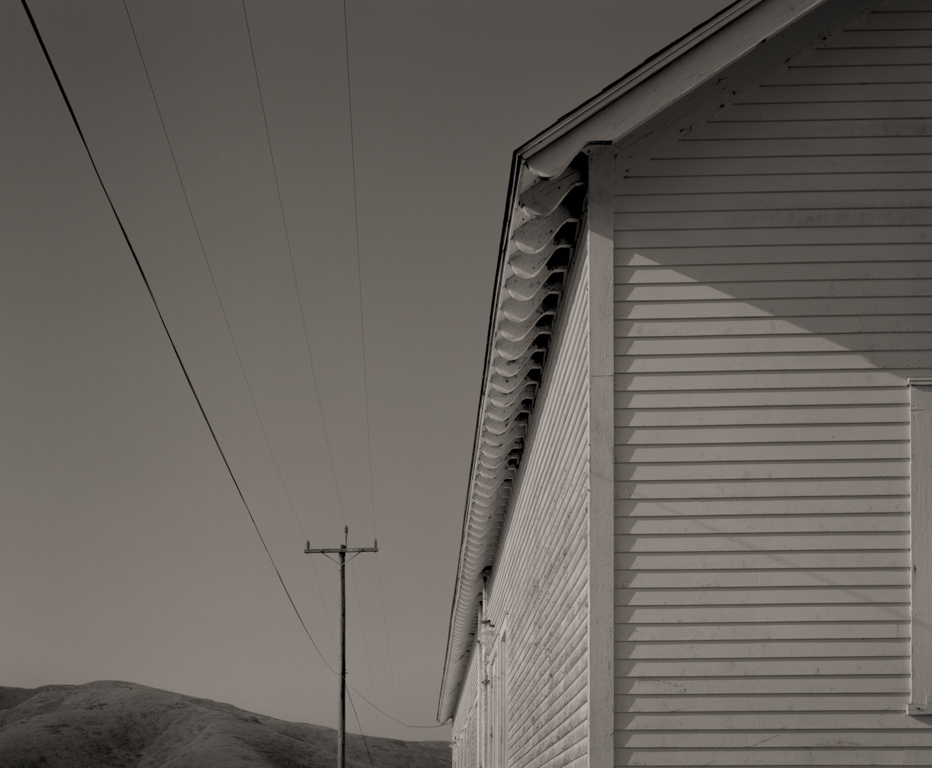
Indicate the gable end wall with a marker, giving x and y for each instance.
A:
(773, 293)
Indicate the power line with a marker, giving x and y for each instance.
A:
(207, 262)
(171, 340)
(307, 343)
(304, 326)
(388, 644)
(400, 722)
(362, 318)
(362, 330)
(320, 593)
(226, 320)
(294, 274)
(365, 645)
(308, 346)
(365, 743)
(181, 364)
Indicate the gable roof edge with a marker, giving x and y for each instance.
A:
(683, 65)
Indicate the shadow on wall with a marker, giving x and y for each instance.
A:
(762, 450)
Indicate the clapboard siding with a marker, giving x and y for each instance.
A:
(627, 330)
(868, 306)
(464, 725)
(773, 291)
(780, 523)
(878, 702)
(540, 585)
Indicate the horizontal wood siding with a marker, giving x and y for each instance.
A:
(464, 721)
(540, 580)
(773, 292)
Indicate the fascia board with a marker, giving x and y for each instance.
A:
(625, 105)
(445, 704)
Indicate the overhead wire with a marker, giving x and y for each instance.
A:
(168, 334)
(362, 318)
(210, 271)
(362, 330)
(400, 722)
(388, 644)
(349, 686)
(226, 320)
(268, 137)
(294, 274)
(365, 743)
(181, 364)
(365, 645)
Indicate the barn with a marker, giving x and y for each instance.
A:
(698, 520)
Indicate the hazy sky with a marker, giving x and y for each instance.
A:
(125, 552)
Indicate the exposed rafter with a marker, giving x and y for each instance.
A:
(539, 251)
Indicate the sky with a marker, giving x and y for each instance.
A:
(342, 385)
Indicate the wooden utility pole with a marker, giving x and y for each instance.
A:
(342, 553)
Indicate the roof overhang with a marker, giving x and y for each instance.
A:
(676, 90)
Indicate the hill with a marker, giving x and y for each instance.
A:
(111, 724)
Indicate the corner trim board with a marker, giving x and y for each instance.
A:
(600, 251)
(920, 494)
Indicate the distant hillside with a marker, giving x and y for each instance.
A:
(110, 724)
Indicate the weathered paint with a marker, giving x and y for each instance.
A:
(600, 250)
(543, 227)
(773, 293)
(539, 583)
(464, 725)
(540, 579)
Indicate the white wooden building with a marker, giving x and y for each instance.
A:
(698, 527)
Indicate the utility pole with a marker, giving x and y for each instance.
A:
(342, 553)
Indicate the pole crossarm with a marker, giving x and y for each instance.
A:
(351, 550)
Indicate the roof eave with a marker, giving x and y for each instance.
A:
(513, 178)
